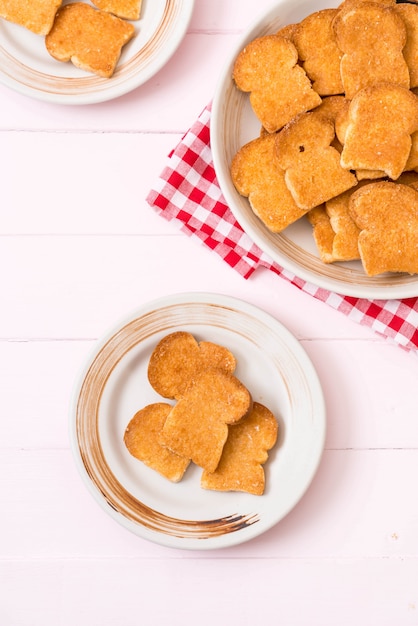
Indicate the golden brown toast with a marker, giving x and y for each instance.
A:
(387, 215)
(127, 9)
(179, 358)
(279, 88)
(409, 15)
(36, 15)
(381, 120)
(314, 38)
(323, 233)
(244, 454)
(334, 231)
(257, 175)
(142, 437)
(313, 172)
(197, 426)
(360, 28)
(90, 38)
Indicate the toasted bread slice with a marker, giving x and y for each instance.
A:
(90, 38)
(279, 88)
(142, 440)
(244, 454)
(197, 426)
(387, 215)
(315, 41)
(257, 175)
(381, 120)
(345, 244)
(313, 172)
(178, 359)
(37, 15)
(360, 29)
(323, 233)
(334, 231)
(127, 9)
(409, 15)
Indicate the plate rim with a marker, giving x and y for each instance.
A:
(385, 292)
(113, 87)
(227, 539)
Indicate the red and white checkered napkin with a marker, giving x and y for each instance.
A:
(188, 192)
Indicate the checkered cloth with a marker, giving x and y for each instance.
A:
(188, 193)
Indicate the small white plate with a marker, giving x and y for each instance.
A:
(27, 67)
(233, 124)
(114, 385)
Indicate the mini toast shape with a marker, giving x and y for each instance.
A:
(37, 15)
(331, 107)
(257, 175)
(314, 38)
(381, 120)
(142, 440)
(90, 38)
(360, 29)
(279, 88)
(387, 215)
(323, 233)
(178, 359)
(245, 452)
(409, 15)
(312, 167)
(341, 124)
(334, 231)
(127, 9)
(197, 426)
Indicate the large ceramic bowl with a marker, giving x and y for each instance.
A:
(233, 124)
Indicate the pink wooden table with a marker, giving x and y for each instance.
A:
(80, 249)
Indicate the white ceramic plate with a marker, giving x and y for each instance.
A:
(232, 125)
(114, 386)
(27, 67)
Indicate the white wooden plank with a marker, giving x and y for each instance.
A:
(360, 504)
(86, 183)
(370, 392)
(36, 387)
(183, 592)
(78, 287)
(218, 16)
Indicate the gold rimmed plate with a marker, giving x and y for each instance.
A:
(27, 67)
(233, 124)
(114, 385)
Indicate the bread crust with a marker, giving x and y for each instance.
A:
(256, 174)
(127, 9)
(179, 358)
(245, 452)
(387, 215)
(197, 426)
(37, 15)
(142, 439)
(90, 38)
(279, 88)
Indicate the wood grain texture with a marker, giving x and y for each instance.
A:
(80, 249)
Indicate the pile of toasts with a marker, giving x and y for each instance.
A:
(91, 37)
(335, 95)
(213, 423)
